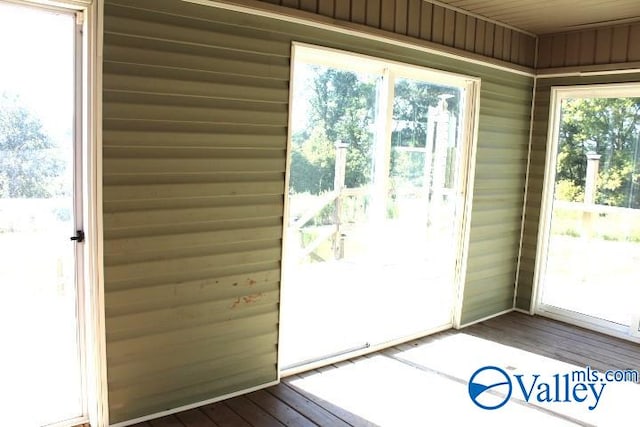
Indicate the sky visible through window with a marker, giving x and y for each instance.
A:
(36, 51)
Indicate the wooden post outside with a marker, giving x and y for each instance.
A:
(338, 186)
(437, 145)
(590, 186)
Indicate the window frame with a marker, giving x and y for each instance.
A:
(390, 70)
(557, 95)
(88, 206)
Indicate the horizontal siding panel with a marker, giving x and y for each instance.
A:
(490, 231)
(152, 244)
(489, 304)
(189, 203)
(196, 227)
(169, 126)
(504, 241)
(239, 378)
(516, 86)
(496, 103)
(484, 262)
(134, 178)
(492, 154)
(218, 139)
(497, 182)
(154, 218)
(217, 35)
(186, 191)
(122, 45)
(141, 348)
(172, 112)
(177, 87)
(513, 98)
(490, 285)
(200, 101)
(114, 70)
(183, 252)
(489, 272)
(185, 152)
(153, 12)
(151, 322)
(518, 114)
(190, 165)
(243, 254)
(136, 300)
(218, 62)
(167, 366)
(243, 241)
(230, 367)
(505, 139)
(495, 218)
(493, 121)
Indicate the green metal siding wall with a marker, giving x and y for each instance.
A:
(537, 170)
(505, 104)
(195, 115)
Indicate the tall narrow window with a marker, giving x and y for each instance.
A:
(591, 245)
(375, 194)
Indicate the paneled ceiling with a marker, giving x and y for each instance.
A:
(552, 16)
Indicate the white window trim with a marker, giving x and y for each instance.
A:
(558, 94)
(352, 61)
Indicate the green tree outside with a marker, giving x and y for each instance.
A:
(609, 127)
(342, 108)
(28, 167)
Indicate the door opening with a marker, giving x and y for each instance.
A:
(590, 244)
(40, 218)
(377, 167)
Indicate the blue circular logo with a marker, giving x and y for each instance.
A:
(487, 379)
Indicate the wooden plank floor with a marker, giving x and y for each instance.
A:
(289, 404)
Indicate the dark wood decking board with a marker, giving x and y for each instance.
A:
(195, 418)
(288, 405)
(560, 341)
(169, 421)
(224, 416)
(280, 410)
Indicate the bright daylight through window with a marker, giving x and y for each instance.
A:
(592, 246)
(41, 365)
(375, 199)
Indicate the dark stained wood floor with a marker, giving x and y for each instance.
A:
(289, 405)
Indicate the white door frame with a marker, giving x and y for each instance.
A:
(558, 93)
(390, 70)
(88, 201)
